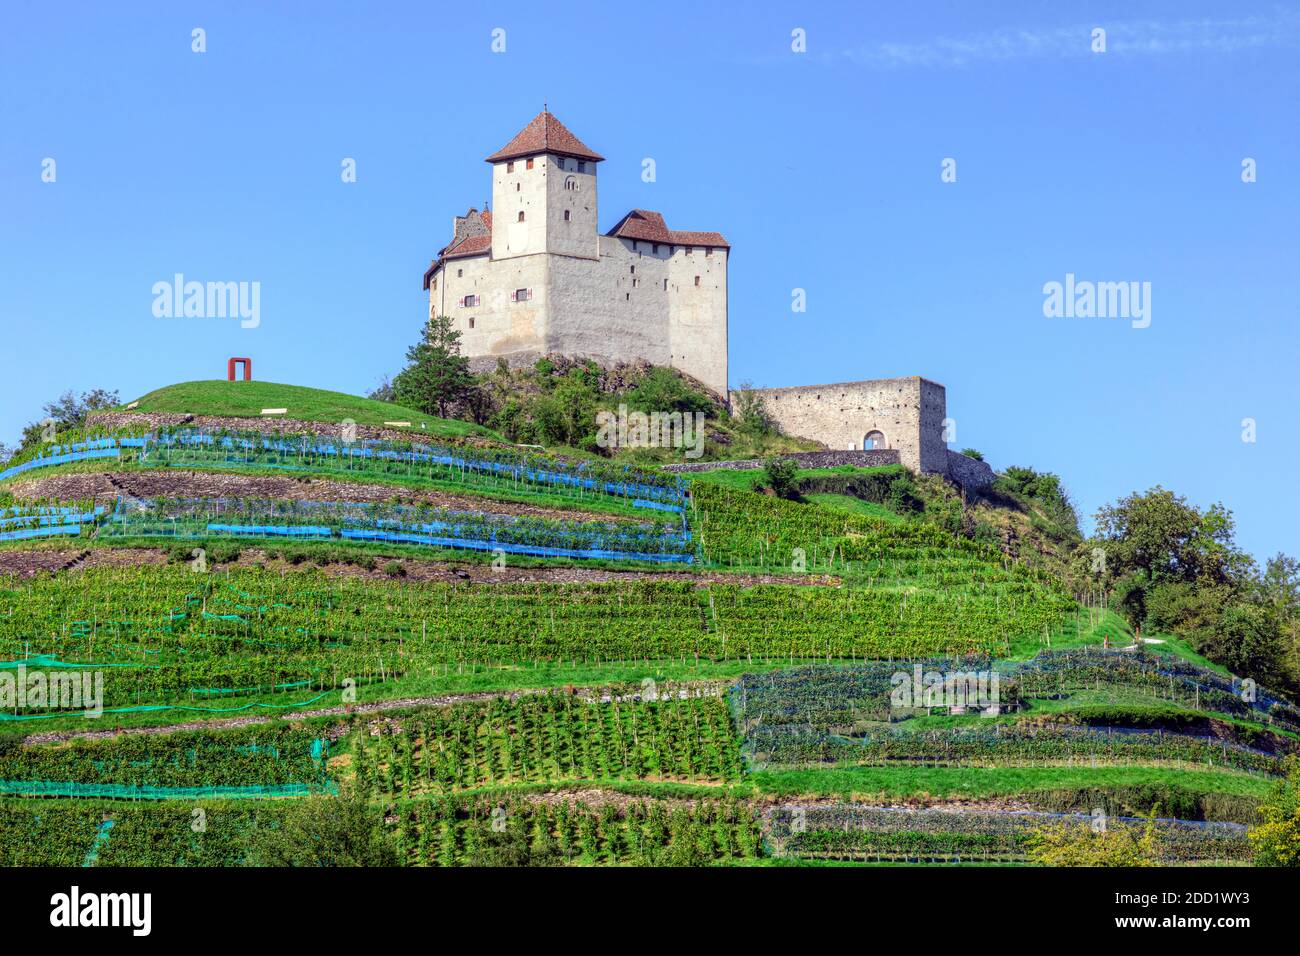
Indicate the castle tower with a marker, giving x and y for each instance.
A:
(544, 193)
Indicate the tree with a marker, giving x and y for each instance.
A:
(437, 375)
(781, 474)
(1277, 839)
(341, 830)
(1160, 533)
(1079, 845)
(751, 412)
(67, 411)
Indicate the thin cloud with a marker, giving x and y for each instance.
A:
(1123, 38)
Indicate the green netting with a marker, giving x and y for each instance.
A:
(123, 791)
(143, 708)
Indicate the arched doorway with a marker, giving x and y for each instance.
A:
(873, 439)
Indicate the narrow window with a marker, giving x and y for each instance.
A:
(471, 323)
(460, 273)
(510, 167)
(530, 163)
(656, 248)
(521, 215)
(566, 215)
(665, 285)
(517, 185)
(697, 280)
(633, 268)
(559, 161)
(635, 283)
(708, 251)
(582, 167)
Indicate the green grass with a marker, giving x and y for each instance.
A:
(853, 505)
(743, 479)
(247, 399)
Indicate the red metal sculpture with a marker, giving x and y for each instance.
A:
(248, 369)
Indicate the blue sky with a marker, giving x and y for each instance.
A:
(822, 169)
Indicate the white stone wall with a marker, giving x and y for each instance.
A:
(500, 326)
(909, 412)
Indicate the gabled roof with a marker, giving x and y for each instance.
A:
(464, 247)
(649, 226)
(545, 134)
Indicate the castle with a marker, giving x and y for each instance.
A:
(533, 275)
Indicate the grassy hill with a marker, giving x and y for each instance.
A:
(659, 702)
(247, 399)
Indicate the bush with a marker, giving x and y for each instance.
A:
(972, 453)
(780, 473)
(904, 499)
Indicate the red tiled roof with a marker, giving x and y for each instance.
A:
(649, 226)
(466, 247)
(545, 134)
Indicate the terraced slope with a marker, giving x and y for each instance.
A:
(548, 707)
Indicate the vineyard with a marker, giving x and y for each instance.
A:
(310, 691)
(546, 737)
(481, 468)
(396, 524)
(167, 631)
(890, 834)
(847, 715)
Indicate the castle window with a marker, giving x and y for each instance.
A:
(521, 295)
(873, 439)
(627, 296)
(471, 323)
(530, 163)
(656, 248)
(635, 283)
(570, 183)
(521, 215)
(566, 215)
(697, 280)
(559, 161)
(517, 185)
(460, 273)
(434, 284)
(510, 167)
(633, 268)
(468, 302)
(708, 251)
(665, 285)
(582, 167)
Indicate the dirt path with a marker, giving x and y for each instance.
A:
(104, 488)
(28, 562)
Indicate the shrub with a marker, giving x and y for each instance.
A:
(780, 474)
